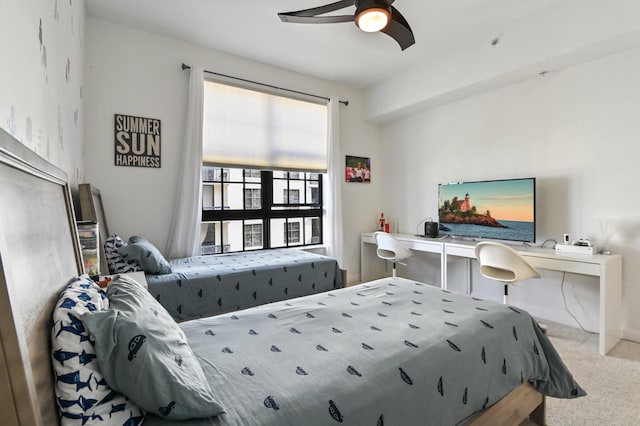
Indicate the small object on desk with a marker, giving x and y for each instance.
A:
(431, 229)
(582, 243)
(386, 228)
(381, 222)
(575, 249)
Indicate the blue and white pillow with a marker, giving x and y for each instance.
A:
(116, 262)
(144, 354)
(145, 255)
(82, 394)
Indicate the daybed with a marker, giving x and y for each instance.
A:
(199, 286)
(391, 351)
(208, 285)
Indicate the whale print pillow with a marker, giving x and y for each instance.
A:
(145, 255)
(118, 264)
(82, 394)
(144, 354)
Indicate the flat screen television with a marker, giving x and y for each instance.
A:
(492, 209)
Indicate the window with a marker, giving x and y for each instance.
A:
(252, 199)
(292, 233)
(291, 196)
(211, 233)
(264, 156)
(315, 231)
(253, 236)
(252, 174)
(245, 210)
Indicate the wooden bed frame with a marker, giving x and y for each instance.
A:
(524, 402)
(40, 254)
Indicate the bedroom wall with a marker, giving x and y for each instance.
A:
(42, 77)
(577, 131)
(137, 73)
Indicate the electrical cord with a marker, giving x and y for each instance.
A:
(549, 240)
(564, 299)
(420, 223)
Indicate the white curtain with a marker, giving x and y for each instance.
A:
(335, 173)
(184, 232)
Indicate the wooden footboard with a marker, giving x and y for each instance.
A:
(524, 402)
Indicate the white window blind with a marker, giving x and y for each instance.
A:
(247, 128)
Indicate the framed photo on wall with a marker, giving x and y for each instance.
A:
(358, 169)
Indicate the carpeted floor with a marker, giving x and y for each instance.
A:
(612, 382)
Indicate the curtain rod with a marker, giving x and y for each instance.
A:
(187, 67)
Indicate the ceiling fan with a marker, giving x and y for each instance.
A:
(370, 16)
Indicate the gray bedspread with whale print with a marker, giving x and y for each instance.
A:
(388, 352)
(202, 286)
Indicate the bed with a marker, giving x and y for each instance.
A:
(391, 351)
(338, 367)
(209, 285)
(200, 286)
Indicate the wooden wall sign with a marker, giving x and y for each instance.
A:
(137, 141)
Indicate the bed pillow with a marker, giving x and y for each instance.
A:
(82, 394)
(146, 255)
(117, 264)
(144, 354)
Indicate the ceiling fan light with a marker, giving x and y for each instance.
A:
(372, 19)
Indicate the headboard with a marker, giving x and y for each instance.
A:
(39, 255)
(91, 209)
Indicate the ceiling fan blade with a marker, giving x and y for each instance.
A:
(399, 29)
(294, 19)
(302, 16)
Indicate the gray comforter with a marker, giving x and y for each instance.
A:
(388, 352)
(202, 286)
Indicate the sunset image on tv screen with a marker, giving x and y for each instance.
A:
(497, 209)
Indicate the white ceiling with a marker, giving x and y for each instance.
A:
(336, 52)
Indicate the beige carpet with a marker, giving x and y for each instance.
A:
(612, 382)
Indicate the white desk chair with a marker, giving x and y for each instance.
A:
(502, 263)
(390, 249)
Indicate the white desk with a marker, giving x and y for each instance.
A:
(607, 267)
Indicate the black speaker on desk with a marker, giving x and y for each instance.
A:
(431, 229)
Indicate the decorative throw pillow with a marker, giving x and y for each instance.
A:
(82, 394)
(117, 264)
(146, 255)
(144, 354)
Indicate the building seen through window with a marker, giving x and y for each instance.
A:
(248, 209)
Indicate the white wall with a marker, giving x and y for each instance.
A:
(576, 130)
(41, 79)
(137, 73)
(565, 33)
